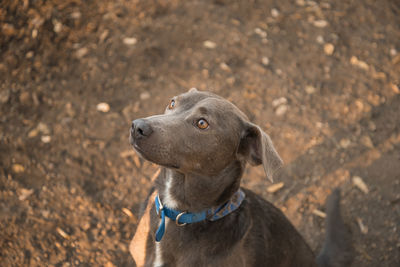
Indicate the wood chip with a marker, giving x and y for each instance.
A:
(127, 212)
(366, 141)
(130, 41)
(275, 187)
(319, 213)
(396, 59)
(136, 160)
(25, 193)
(363, 227)
(359, 63)
(320, 23)
(127, 153)
(359, 183)
(109, 264)
(155, 175)
(62, 233)
(395, 88)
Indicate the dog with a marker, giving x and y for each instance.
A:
(197, 214)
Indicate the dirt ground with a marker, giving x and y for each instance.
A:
(321, 77)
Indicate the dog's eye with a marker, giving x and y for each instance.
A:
(202, 124)
(171, 104)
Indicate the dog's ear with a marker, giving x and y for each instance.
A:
(257, 148)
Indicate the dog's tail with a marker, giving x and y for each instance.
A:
(337, 250)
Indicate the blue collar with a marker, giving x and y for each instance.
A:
(182, 218)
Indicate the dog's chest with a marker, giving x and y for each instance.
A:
(181, 247)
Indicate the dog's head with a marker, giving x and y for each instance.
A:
(202, 133)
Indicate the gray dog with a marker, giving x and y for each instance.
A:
(197, 214)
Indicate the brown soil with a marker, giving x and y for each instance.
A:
(70, 186)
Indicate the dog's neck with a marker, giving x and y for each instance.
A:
(193, 192)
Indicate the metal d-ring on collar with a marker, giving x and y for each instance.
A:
(178, 217)
(182, 218)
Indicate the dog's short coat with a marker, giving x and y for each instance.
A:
(203, 143)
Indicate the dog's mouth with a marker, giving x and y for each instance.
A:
(143, 155)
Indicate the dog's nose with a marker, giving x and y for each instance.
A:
(140, 128)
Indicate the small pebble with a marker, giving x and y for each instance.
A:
(325, 5)
(231, 80)
(260, 32)
(145, 95)
(43, 128)
(328, 49)
(224, 66)
(274, 12)
(393, 52)
(359, 104)
(76, 15)
(29, 55)
(17, 168)
(81, 52)
(281, 110)
(46, 139)
(209, 44)
(34, 33)
(129, 41)
(103, 107)
(24, 98)
(371, 126)
(310, 89)
(345, 143)
(320, 39)
(4, 96)
(279, 101)
(265, 61)
(57, 26)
